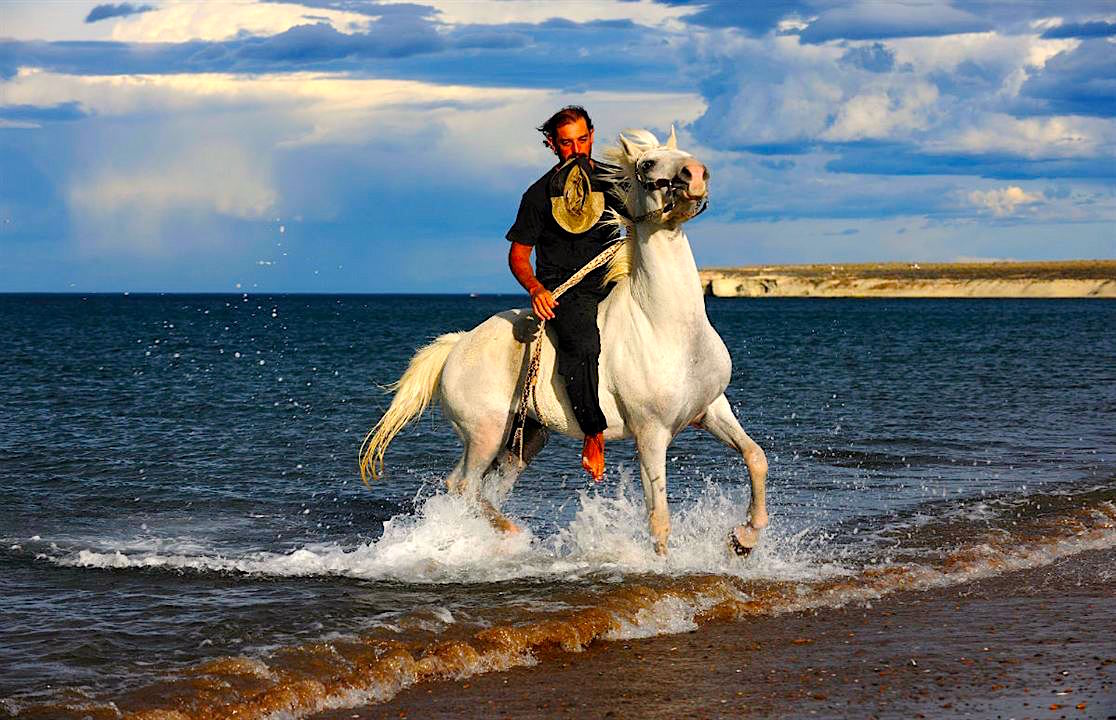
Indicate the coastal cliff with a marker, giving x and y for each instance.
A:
(1041, 279)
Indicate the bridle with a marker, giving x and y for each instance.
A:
(663, 185)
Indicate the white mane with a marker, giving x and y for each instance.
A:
(625, 189)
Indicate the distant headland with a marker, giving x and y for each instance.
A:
(1037, 279)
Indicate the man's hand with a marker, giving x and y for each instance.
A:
(543, 303)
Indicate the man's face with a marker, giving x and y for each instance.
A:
(573, 138)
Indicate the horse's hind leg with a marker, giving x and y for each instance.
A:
(508, 465)
(722, 423)
(481, 448)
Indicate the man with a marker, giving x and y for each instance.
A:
(561, 218)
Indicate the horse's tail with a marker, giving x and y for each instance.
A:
(413, 392)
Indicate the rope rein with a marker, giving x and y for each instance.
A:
(532, 376)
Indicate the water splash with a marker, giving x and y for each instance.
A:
(447, 540)
(297, 681)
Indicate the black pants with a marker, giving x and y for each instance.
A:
(579, 349)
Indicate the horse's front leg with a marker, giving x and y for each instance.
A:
(721, 422)
(652, 446)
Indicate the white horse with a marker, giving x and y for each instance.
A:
(662, 365)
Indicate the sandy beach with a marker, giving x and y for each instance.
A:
(1037, 279)
(1036, 643)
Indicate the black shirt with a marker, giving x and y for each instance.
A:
(558, 253)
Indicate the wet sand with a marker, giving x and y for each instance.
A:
(1037, 643)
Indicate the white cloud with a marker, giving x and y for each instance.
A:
(947, 95)
(498, 12)
(211, 143)
(945, 53)
(757, 112)
(1004, 201)
(220, 179)
(38, 20)
(892, 111)
(323, 108)
(125, 207)
(188, 20)
(1064, 136)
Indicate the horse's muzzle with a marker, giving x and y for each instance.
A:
(695, 179)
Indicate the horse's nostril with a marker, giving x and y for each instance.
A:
(685, 174)
(705, 175)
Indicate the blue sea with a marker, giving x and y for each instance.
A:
(184, 528)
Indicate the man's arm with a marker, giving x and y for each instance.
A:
(519, 260)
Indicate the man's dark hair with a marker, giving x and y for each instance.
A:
(568, 114)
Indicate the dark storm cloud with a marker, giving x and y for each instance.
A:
(308, 44)
(836, 20)
(367, 7)
(1098, 28)
(1077, 82)
(880, 21)
(899, 159)
(400, 45)
(489, 38)
(108, 10)
(63, 112)
(94, 57)
(873, 58)
(755, 18)
(970, 79)
(1016, 17)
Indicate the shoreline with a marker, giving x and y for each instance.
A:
(1030, 643)
(1036, 279)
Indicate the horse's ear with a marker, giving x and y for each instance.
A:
(629, 150)
(672, 141)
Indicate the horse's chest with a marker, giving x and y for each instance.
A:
(674, 383)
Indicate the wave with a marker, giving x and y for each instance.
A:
(297, 681)
(448, 540)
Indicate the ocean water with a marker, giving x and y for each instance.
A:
(184, 530)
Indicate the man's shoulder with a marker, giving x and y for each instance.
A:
(540, 185)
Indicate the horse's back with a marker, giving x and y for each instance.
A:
(482, 371)
(484, 375)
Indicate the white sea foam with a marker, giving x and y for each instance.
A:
(667, 616)
(448, 540)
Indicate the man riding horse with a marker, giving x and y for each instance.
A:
(561, 217)
(662, 365)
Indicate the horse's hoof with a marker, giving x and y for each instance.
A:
(742, 546)
(505, 526)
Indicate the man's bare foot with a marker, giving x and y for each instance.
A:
(592, 455)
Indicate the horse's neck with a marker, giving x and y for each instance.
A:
(664, 279)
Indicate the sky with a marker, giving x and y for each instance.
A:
(347, 146)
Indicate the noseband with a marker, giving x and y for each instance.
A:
(664, 185)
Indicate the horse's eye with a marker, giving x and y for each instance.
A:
(646, 165)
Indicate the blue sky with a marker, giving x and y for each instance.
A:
(382, 146)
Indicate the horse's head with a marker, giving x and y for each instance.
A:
(665, 185)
